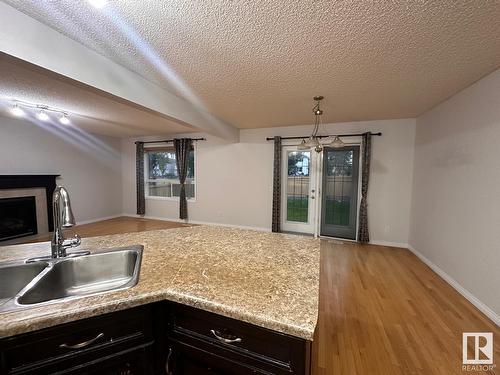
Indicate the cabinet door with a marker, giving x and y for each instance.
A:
(77, 344)
(187, 360)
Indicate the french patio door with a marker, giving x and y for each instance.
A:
(298, 190)
(339, 202)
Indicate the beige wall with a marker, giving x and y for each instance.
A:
(234, 180)
(454, 224)
(89, 166)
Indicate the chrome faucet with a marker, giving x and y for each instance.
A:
(63, 218)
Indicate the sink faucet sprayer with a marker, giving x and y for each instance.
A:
(63, 218)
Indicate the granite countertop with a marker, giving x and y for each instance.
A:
(267, 279)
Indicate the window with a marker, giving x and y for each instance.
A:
(162, 179)
(297, 186)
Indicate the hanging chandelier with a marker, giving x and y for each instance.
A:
(313, 142)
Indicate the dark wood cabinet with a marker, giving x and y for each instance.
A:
(161, 338)
(130, 362)
(186, 359)
(200, 342)
(120, 342)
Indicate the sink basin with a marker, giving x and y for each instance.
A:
(34, 284)
(85, 275)
(14, 277)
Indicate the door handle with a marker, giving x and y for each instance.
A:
(82, 344)
(167, 362)
(226, 340)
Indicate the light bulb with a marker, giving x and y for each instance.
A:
(98, 3)
(303, 146)
(42, 116)
(64, 119)
(337, 142)
(16, 111)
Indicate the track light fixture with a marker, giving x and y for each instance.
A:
(19, 108)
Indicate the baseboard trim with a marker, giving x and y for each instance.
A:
(390, 244)
(177, 220)
(98, 219)
(459, 288)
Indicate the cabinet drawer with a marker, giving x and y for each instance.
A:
(218, 355)
(78, 341)
(135, 361)
(189, 360)
(238, 336)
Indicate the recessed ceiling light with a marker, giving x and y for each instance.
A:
(42, 116)
(98, 3)
(64, 119)
(16, 111)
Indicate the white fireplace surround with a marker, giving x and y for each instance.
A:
(42, 221)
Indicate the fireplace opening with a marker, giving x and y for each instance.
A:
(17, 217)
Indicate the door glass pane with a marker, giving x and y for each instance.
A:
(338, 187)
(297, 186)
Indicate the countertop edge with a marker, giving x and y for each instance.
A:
(46, 321)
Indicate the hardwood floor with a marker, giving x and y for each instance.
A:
(112, 226)
(382, 311)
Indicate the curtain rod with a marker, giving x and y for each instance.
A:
(169, 140)
(325, 136)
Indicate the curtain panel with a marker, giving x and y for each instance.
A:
(366, 150)
(139, 177)
(276, 218)
(182, 148)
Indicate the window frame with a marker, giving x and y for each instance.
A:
(171, 180)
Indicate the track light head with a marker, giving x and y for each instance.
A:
(42, 115)
(64, 119)
(16, 110)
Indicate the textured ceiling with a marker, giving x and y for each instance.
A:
(89, 109)
(258, 63)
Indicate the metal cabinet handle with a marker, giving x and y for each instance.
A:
(167, 363)
(82, 344)
(223, 339)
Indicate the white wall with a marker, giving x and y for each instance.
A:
(89, 166)
(455, 217)
(234, 180)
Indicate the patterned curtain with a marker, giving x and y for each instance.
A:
(276, 222)
(182, 148)
(366, 150)
(139, 177)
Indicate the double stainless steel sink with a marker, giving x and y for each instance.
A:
(24, 285)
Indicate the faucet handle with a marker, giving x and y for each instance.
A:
(72, 242)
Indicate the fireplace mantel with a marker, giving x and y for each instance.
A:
(47, 181)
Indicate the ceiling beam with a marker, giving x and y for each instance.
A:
(30, 40)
